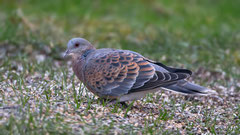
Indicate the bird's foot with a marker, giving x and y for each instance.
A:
(114, 103)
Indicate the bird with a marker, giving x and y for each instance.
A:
(124, 75)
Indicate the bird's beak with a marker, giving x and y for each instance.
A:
(66, 53)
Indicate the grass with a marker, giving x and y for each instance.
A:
(39, 94)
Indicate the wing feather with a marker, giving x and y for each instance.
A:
(165, 76)
(117, 72)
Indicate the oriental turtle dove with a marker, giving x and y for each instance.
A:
(125, 75)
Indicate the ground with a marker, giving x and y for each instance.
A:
(39, 93)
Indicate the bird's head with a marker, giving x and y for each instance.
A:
(77, 46)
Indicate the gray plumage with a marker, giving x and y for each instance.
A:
(125, 75)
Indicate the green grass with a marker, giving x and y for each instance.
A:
(40, 94)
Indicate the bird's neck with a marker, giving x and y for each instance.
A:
(86, 53)
(78, 62)
(86, 50)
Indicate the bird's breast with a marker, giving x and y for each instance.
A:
(77, 66)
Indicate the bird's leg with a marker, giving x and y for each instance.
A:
(124, 105)
(114, 102)
(106, 102)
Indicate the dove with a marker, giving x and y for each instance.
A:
(125, 75)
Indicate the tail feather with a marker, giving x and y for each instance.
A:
(186, 87)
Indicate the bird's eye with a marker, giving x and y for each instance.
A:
(77, 44)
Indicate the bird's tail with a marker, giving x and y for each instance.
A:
(186, 87)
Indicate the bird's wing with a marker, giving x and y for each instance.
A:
(119, 72)
(116, 72)
(164, 76)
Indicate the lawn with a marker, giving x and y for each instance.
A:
(39, 93)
